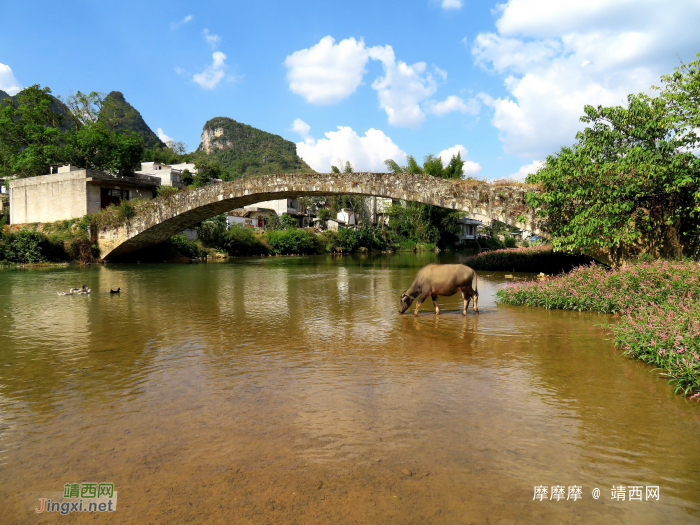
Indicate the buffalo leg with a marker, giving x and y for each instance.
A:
(437, 309)
(419, 303)
(466, 302)
(476, 297)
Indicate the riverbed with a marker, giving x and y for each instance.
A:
(289, 390)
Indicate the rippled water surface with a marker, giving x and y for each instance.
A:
(289, 390)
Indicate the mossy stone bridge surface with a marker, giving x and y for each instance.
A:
(157, 220)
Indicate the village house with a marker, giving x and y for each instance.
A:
(347, 217)
(335, 224)
(290, 206)
(72, 192)
(169, 174)
(250, 217)
(468, 229)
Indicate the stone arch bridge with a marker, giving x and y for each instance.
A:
(159, 219)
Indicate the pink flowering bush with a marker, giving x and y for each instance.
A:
(533, 259)
(657, 304)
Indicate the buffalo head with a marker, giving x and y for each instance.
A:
(406, 301)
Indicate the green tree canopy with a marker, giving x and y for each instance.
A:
(423, 222)
(38, 131)
(631, 182)
(30, 134)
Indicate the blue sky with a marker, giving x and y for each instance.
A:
(360, 81)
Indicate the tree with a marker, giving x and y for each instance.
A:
(424, 222)
(186, 177)
(455, 169)
(93, 142)
(38, 131)
(628, 184)
(681, 94)
(30, 134)
(206, 171)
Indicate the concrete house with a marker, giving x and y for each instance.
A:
(290, 206)
(72, 192)
(347, 217)
(169, 175)
(468, 229)
(249, 217)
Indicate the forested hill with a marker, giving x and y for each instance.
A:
(243, 150)
(133, 121)
(3, 96)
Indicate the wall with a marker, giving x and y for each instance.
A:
(280, 205)
(48, 198)
(141, 193)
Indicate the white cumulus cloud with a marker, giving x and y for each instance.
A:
(365, 153)
(451, 4)
(526, 170)
(469, 169)
(557, 57)
(176, 25)
(327, 72)
(402, 88)
(162, 136)
(214, 72)
(8, 83)
(302, 128)
(212, 39)
(452, 103)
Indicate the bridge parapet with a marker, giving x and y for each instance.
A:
(159, 219)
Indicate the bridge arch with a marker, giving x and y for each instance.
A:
(159, 219)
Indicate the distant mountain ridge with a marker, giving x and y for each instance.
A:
(243, 150)
(239, 149)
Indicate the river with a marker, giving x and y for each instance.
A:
(289, 390)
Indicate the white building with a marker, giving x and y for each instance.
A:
(377, 210)
(468, 227)
(169, 175)
(290, 206)
(346, 216)
(249, 217)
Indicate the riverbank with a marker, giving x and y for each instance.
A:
(655, 301)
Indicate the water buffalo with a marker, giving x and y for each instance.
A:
(441, 279)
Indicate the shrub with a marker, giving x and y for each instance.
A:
(126, 210)
(186, 247)
(24, 246)
(344, 240)
(291, 241)
(241, 241)
(211, 232)
(533, 259)
(510, 242)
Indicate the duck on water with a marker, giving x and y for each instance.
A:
(77, 291)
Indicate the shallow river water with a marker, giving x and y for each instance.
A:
(289, 390)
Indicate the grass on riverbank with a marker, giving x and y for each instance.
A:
(657, 303)
(533, 259)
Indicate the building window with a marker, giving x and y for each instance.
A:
(110, 196)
